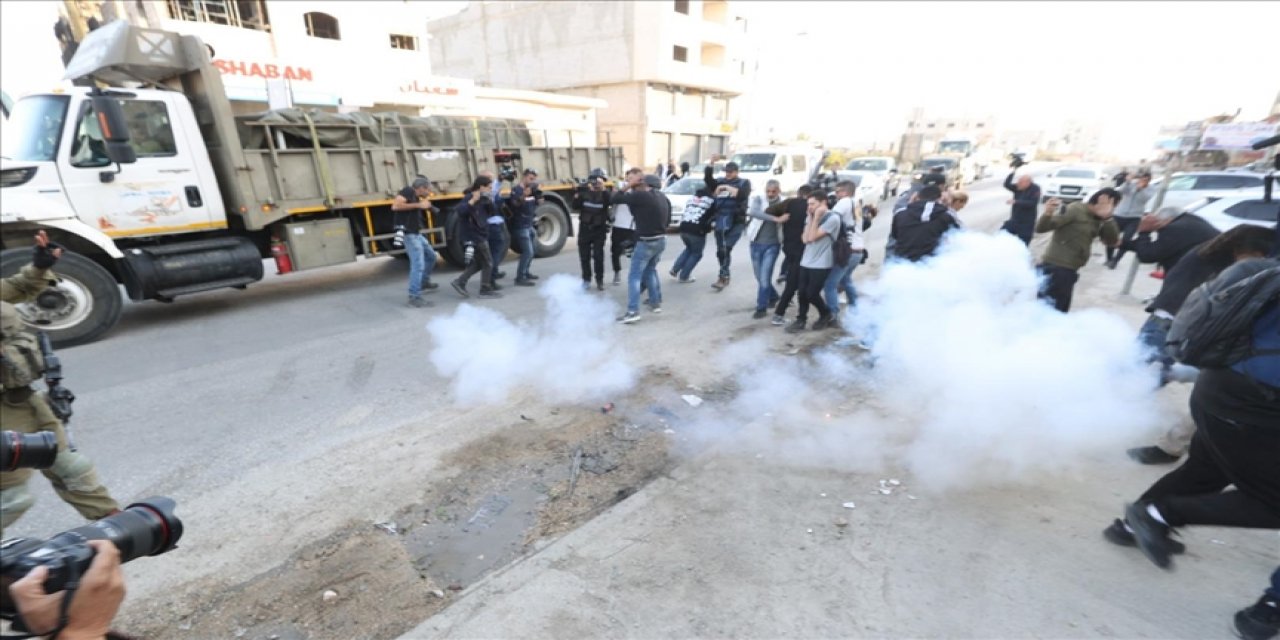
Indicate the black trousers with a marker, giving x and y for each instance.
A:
(591, 250)
(1128, 229)
(616, 249)
(811, 283)
(1237, 442)
(482, 263)
(791, 267)
(1059, 283)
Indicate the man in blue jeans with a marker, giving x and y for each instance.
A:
(525, 198)
(765, 234)
(408, 206)
(849, 207)
(497, 246)
(731, 196)
(652, 213)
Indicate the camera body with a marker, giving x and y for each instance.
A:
(1017, 160)
(147, 528)
(507, 173)
(36, 450)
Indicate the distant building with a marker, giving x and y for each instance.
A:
(924, 132)
(671, 72)
(345, 56)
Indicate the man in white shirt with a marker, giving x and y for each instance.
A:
(849, 207)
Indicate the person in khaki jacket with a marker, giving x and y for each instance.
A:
(1073, 234)
(25, 410)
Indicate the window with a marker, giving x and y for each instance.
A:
(712, 55)
(980, 125)
(322, 25)
(682, 6)
(150, 134)
(1253, 210)
(1182, 183)
(1226, 182)
(409, 43)
(951, 125)
(798, 163)
(929, 126)
(717, 108)
(680, 54)
(247, 14)
(37, 128)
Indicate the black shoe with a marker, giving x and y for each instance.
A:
(530, 276)
(1118, 535)
(1259, 622)
(489, 293)
(760, 313)
(600, 284)
(524, 283)
(498, 275)
(460, 288)
(418, 303)
(617, 278)
(825, 322)
(1113, 263)
(495, 287)
(430, 286)
(797, 326)
(1149, 534)
(1152, 455)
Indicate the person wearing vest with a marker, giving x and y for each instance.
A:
(731, 194)
(26, 410)
(1072, 240)
(592, 203)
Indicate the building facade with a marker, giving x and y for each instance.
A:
(347, 56)
(671, 72)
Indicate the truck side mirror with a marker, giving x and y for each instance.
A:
(115, 133)
(777, 170)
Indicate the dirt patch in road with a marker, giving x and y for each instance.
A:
(497, 499)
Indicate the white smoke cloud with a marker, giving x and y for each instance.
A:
(971, 379)
(571, 354)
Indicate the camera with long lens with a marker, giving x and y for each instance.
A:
(506, 173)
(146, 528)
(27, 450)
(1017, 160)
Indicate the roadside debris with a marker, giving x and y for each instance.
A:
(692, 400)
(437, 593)
(575, 469)
(608, 407)
(885, 489)
(849, 505)
(454, 587)
(841, 522)
(329, 595)
(389, 527)
(526, 418)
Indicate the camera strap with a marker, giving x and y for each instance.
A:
(68, 592)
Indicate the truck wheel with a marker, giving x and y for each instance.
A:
(83, 306)
(552, 226)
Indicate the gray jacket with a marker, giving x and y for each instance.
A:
(1133, 201)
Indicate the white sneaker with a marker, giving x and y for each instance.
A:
(629, 317)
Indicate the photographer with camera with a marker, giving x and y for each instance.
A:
(26, 410)
(592, 203)
(408, 206)
(523, 205)
(1025, 201)
(497, 249)
(89, 613)
(1073, 233)
(473, 213)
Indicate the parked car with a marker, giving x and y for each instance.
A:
(870, 187)
(884, 168)
(679, 193)
(1075, 182)
(1232, 211)
(1186, 188)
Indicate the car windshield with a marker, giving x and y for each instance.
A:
(754, 162)
(34, 128)
(945, 163)
(1182, 183)
(685, 187)
(1076, 173)
(868, 164)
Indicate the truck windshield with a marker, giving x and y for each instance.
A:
(34, 128)
(945, 163)
(754, 162)
(866, 164)
(954, 146)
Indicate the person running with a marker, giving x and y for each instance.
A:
(850, 209)
(695, 224)
(1134, 196)
(821, 226)
(792, 247)
(917, 230)
(652, 213)
(1025, 201)
(764, 232)
(1073, 234)
(474, 212)
(731, 196)
(592, 203)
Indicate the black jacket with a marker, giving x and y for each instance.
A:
(915, 238)
(473, 220)
(651, 211)
(593, 208)
(793, 228)
(1188, 273)
(1182, 234)
(1022, 220)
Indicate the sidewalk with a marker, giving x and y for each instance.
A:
(745, 547)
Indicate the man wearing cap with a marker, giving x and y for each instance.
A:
(524, 200)
(652, 213)
(408, 206)
(1025, 201)
(731, 197)
(1135, 194)
(936, 177)
(592, 203)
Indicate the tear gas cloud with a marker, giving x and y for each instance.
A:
(974, 379)
(571, 354)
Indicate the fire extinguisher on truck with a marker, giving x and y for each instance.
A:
(281, 253)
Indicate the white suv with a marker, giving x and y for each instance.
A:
(1186, 188)
(1072, 183)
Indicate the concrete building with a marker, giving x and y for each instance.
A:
(924, 132)
(346, 56)
(671, 72)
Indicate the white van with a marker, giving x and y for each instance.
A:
(792, 167)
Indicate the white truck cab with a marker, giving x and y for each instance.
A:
(792, 167)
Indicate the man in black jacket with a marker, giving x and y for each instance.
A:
(1176, 234)
(918, 230)
(731, 194)
(652, 213)
(592, 203)
(792, 247)
(473, 221)
(1025, 200)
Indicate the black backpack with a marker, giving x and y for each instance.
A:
(1213, 329)
(841, 250)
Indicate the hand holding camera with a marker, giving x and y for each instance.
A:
(92, 607)
(46, 253)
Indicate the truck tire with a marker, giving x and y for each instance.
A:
(87, 302)
(454, 252)
(552, 225)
